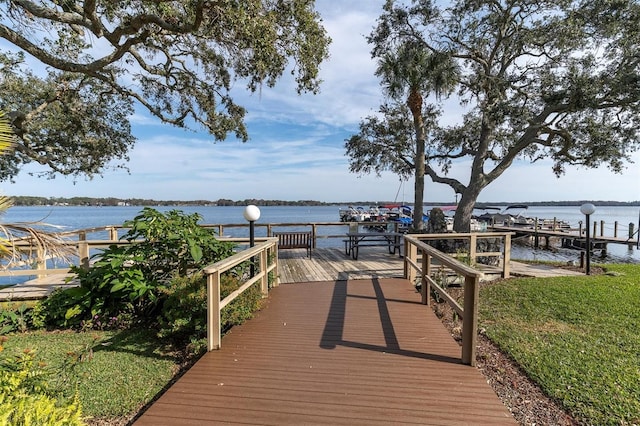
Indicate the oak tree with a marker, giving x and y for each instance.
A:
(553, 79)
(97, 61)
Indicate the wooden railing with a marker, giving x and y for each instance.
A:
(267, 252)
(79, 251)
(313, 227)
(86, 241)
(503, 256)
(418, 261)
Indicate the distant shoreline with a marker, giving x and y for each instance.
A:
(113, 201)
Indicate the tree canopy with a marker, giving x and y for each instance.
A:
(535, 80)
(178, 60)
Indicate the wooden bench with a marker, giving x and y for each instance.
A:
(294, 240)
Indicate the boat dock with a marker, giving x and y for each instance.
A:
(569, 238)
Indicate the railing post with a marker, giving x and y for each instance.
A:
(113, 233)
(601, 228)
(314, 232)
(276, 272)
(41, 260)
(506, 267)
(473, 247)
(83, 254)
(410, 252)
(83, 250)
(264, 282)
(470, 320)
(425, 289)
(213, 311)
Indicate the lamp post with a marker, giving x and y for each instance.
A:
(252, 213)
(588, 209)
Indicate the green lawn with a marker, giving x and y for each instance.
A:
(578, 337)
(115, 373)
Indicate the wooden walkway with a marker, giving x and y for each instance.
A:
(331, 264)
(356, 352)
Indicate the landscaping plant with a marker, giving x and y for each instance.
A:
(129, 279)
(25, 397)
(184, 313)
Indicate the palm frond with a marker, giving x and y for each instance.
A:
(22, 243)
(7, 139)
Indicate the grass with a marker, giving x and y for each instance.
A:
(577, 337)
(114, 372)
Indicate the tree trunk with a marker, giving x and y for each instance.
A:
(419, 187)
(462, 218)
(415, 105)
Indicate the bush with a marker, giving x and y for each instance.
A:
(25, 399)
(128, 280)
(184, 314)
(13, 318)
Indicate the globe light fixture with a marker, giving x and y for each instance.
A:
(588, 209)
(252, 213)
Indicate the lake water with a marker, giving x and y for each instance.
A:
(72, 218)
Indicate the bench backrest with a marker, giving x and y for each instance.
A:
(293, 240)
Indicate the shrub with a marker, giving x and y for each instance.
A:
(25, 399)
(128, 280)
(184, 312)
(13, 318)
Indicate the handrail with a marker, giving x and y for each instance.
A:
(214, 272)
(504, 256)
(413, 243)
(84, 244)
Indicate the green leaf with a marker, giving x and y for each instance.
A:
(72, 312)
(196, 252)
(119, 285)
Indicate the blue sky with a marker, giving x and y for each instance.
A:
(296, 147)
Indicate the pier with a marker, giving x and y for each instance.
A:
(338, 341)
(573, 238)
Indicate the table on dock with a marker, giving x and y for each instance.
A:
(352, 352)
(355, 240)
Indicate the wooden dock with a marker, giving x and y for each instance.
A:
(331, 264)
(341, 352)
(560, 234)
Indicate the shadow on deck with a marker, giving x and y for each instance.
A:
(341, 352)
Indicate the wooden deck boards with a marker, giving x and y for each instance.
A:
(330, 264)
(357, 352)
